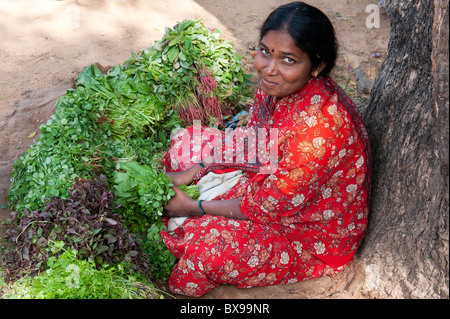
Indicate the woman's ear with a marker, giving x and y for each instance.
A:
(316, 71)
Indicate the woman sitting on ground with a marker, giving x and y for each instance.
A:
(301, 215)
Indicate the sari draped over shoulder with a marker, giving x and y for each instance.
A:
(305, 193)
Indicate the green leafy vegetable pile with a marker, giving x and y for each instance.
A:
(196, 70)
(86, 221)
(94, 178)
(70, 277)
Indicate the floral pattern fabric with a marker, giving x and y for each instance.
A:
(306, 216)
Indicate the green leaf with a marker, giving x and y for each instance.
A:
(174, 41)
(173, 53)
(156, 204)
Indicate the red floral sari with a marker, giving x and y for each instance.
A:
(305, 218)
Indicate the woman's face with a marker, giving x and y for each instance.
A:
(283, 68)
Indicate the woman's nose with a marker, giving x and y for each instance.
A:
(272, 67)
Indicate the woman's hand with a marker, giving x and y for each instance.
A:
(180, 178)
(180, 205)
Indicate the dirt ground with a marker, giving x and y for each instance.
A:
(45, 45)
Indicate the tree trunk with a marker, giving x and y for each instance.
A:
(405, 252)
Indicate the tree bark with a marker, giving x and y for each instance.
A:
(405, 251)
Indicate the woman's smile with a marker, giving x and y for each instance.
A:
(268, 83)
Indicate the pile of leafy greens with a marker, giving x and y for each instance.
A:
(94, 179)
(196, 70)
(70, 277)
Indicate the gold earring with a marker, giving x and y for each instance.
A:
(316, 73)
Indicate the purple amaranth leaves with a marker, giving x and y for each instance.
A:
(85, 221)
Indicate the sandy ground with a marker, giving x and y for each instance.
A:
(45, 44)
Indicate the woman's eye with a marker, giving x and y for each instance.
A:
(289, 60)
(264, 51)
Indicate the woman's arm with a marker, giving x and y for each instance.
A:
(187, 177)
(182, 205)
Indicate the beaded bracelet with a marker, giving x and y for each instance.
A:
(201, 164)
(200, 206)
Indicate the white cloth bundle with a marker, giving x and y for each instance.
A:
(210, 186)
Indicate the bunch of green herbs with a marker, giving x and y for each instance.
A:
(142, 192)
(196, 70)
(67, 276)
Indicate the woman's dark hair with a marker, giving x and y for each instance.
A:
(311, 30)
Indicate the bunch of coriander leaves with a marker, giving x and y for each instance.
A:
(69, 277)
(114, 125)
